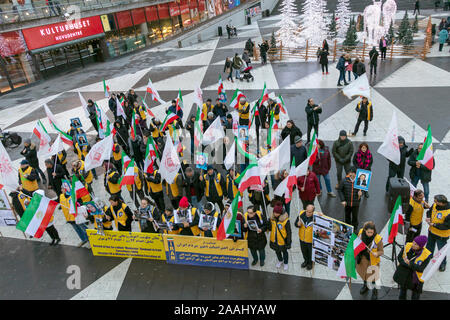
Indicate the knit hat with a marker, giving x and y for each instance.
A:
(229, 116)
(27, 141)
(421, 241)
(184, 203)
(23, 162)
(210, 114)
(342, 133)
(297, 139)
(209, 167)
(278, 209)
(352, 169)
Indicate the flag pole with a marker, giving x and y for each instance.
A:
(13, 210)
(54, 166)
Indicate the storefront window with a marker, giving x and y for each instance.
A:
(202, 11)
(175, 14)
(165, 20)
(193, 8)
(154, 30)
(185, 14)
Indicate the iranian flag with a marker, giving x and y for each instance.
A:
(264, 95)
(170, 117)
(271, 135)
(237, 95)
(133, 126)
(83, 104)
(244, 153)
(230, 158)
(179, 101)
(67, 139)
(78, 189)
(125, 160)
(228, 224)
(128, 176)
(220, 89)
(281, 103)
(40, 132)
(101, 121)
(347, 268)
(152, 90)
(292, 181)
(313, 149)
(120, 111)
(105, 89)
(150, 113)
(37, 216)
(150, 155)
(73, 199)
(395, 220)
(249, 177)
(198, 128)
(426, 154)
(254, 112)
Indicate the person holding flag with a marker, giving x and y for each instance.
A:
(112, 180)
(420, 171)
(412, 259)
(273, 107)
(308, 188)
(28, 178)
(154, 188)
(322, 166)
(280, 235)
(56, 174)
(414, 214)
(30, 153)
(214, 186)
(244, 111)
(92, 114)
(312, 114)
(82, 175)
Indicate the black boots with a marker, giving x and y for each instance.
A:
(364, 289)
(374, 294)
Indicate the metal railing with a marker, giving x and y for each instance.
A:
(40, 9)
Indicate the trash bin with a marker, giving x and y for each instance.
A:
(249, 20)
(219, 31)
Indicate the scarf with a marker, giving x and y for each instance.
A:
(367, 241)
(363, 159)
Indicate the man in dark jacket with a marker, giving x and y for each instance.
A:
(220, 110)
(419, 172)
(341, 67)
(55, 175)
(373, 55)
(350, 198)
(137, 149)
(112, 104)
(192, 187)
(358, 68)
(132, 97)
(399, 170)
(365, 110)
(312, 114)
(30, 154)
(214, 185)
(92, 114)
(342, 153)
(298, 150)
(291, 130)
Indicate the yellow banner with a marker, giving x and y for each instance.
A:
(127, 244)
(209, 252)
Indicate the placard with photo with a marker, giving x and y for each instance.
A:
(75, 123)
(243, 133)
(362, 180)
(206, 222)
(252, 225)
(82, 139)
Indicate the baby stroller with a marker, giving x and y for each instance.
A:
(246, 75)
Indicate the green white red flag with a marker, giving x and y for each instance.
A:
(347, 268)
(237, 95)
(396, 219)
(198, 127)
(151, 154)
(37, 215)
(271, 134)
(264, 95)
(425, 156)
(67, 139)
(180, 104)
(125, 160)
(244, 153)
(149, 111)
(220, 89)
(152, 90)
(249, 177)
(40, 132)
(128, 176)
(313, 149)
(78, 188)
(228, 224)
(170, 117)
(119, 110)
(133, 126)
(281, 103)
(105, 89)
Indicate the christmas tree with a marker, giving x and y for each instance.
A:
(288, 31)
(351, 37)
(332, 27)
(313, 21)
(343, 17)
(273, 41)
(408, 40)
(415, 26)
(404, 26)
(390, 38)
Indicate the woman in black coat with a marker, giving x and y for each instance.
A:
(323, 60)
(257, 240)
(291, 130)
(228, 68)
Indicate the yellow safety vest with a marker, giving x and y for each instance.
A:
(117, 156)
(137, 180)
(90, 176)
(174, 187)
(113, 187)
(142, 113)
(195, 229)
(438, 216)
(216, 183)
(417, 212)
(120, 216)
(106, 224)
(22, 197)
(305, 233)
(420, 259)
(81, 152)
(27, 184)
(235, 188)
(155, 133)
(154, 187)
(258, 213)
(368, 108)
(205, 110)
(65, 206)
(374, 261)
(242, 114)
(171, 220)
(60, 156)
(278, 232)
(214, 232)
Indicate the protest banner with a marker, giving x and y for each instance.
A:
(206, 252)
(127, 244)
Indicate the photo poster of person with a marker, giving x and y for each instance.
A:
(222, 97)
(362, 180)
(237, 230)
(201, 160)
(7, 218)
(66, 185)
(206, 221)
(82, 139)
(75, 123)
(100, 230)
(252, 225)
(330, 240)
(92, 208)
(243, 133)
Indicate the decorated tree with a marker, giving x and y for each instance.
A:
(408, 40)
(332, 27)
(273, 41)
(404, 26)
(390, 37)
(351, 39)
(415, 26)
(288, 32)
(313, 21)
(343, 13)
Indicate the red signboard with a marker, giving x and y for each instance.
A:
(193, 4)
(201, 5)
(163, 11)
(52, 34)
(138, 16)
(184, 8)
(124, 19)
(174, 9)
(151, 13)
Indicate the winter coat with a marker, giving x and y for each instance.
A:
(373, 54)
(300, 154)
(30, 155)
(341, 64)
(246, 58)
(366, 159)
(423, 172)
(288, 239)
(92, 112)
(263, 116)
(322, 165)
(359, 68)
(220, 110)
(365, 110)
(399, 170)
(443, 36)
(56, 182)
(257, 241)
(348, 193)
(292, 132)
(249, 46)
(237, 63)
(137, 148)
(323, 57)
(312, 187)
(193, 184)
(312, 115)
(228, 65)
(342, 151)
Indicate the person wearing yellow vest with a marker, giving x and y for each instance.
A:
(280, 235)
(175, 190)
(206, 227)
(304, 223)
(244, 112)
(185, 218)
(28, 178)
(117, 157)
(82, 175)
(139, 110)
(62, 160)
(438, 219)
(365, 110)
(255, 226)
(412, 259)
(80, 229)
(18, 199)
(232, 187)
(102, 217)
(206, 108)
(169, 218)
(136, 190)
(214, 186)
(121, 213)
(369, 258)
(155, 189)
(112, 180)
(81, 151)
(155, 124)
(414, 215)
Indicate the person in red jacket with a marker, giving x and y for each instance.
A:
(309, 189)
(322, 166)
